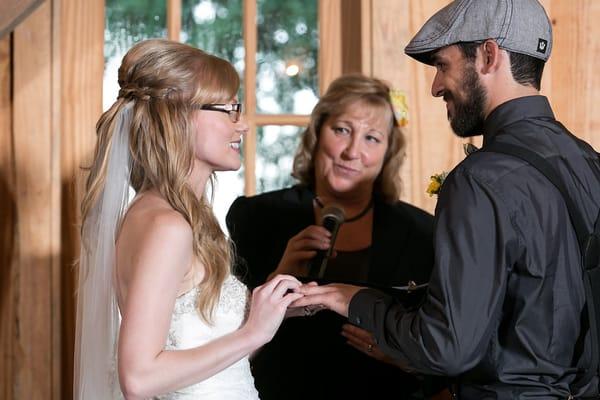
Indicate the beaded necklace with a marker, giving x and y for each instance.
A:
(352, 219)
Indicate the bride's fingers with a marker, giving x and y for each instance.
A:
(285, 285)
(272, 284)
(289, 298)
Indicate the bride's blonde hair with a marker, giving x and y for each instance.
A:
(163, 80)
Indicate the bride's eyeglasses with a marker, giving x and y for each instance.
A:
(233, 109)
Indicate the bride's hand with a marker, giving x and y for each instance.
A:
(305, 311)
(269, 304)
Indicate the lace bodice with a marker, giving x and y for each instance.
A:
(187, 330)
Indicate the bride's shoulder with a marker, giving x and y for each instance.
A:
(154, 240)
(152, 227)
(151, 214)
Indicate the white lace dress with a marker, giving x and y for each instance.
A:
(188, 330)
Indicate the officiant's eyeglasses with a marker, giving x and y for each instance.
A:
(233, 109)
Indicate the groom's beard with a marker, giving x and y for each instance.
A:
(468, 115)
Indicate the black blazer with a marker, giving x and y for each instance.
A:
(298, 362)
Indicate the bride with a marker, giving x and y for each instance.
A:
(160, 315)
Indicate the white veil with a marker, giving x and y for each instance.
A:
(95, 372)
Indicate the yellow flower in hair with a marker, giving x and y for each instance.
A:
(399, 103)
(436, 183)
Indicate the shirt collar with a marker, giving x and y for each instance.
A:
(515, 110)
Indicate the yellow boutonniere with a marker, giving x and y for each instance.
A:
(436, 183)
(438, 179)
(398, 99)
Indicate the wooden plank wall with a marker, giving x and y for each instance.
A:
(36, 186)
(430, 145)
(50, 98)
(82, 61)
(330, 32)
(8, 264)
(569, 81)
(12, 12)
(51, 70)
(575, 90)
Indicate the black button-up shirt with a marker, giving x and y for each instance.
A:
(503, 308)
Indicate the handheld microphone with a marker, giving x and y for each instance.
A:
(332, 217)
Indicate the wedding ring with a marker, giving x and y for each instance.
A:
(307, 311)
(370, 348)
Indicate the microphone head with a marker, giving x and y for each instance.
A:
(332, 217)
(335, 212)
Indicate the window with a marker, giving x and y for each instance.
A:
(274, 46)
(275, 148)
(126, 23)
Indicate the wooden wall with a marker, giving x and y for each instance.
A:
(15, 11)
(82, 70)
(51, 69)
(29, 280)
(8, 263)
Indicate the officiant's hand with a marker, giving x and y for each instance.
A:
(301, 249)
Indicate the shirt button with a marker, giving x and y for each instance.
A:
(358, 321)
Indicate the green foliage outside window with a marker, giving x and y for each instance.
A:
(274, 156)
(129, 21)
(287, 37)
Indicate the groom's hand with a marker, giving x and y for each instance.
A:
(335, 296)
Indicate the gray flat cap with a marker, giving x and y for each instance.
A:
(520, 26)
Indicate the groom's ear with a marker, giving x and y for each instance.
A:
(490, 56)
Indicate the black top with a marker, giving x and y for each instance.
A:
(505, 298)
(349, 266)
(308, 358)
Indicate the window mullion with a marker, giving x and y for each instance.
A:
(250, 38)
(330, 42)
(174, 19)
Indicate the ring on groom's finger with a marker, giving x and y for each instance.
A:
(307, 311)
(370, 348)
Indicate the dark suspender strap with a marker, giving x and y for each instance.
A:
(591, 263)
(589, 245)
(548, 171)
